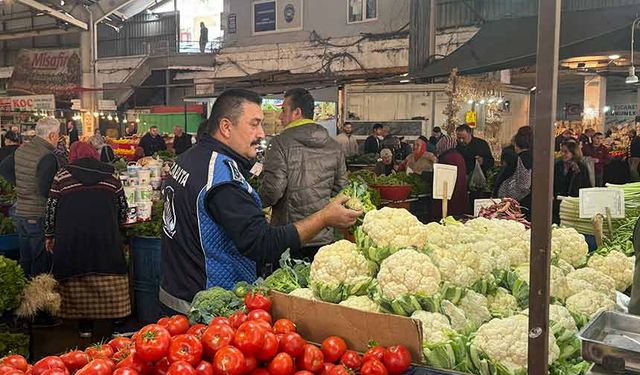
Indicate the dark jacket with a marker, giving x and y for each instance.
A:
(383, 169)
(85, 208)
(372, 145)
(601, 153)
(459, 203)
(477, 147)
(73, 136)
(182, 143)
(634, 150)
(304, 167)
(151, 144)
(6, 151)
(568, 184)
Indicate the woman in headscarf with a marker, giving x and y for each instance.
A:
(85, 209)
(385, 165)
(420, 160)
(459, 203)
(104, 150)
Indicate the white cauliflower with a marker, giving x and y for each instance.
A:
(338, 271)
(363, 303)
(464, 264)
(569, 245)
(456, 316)
(560, 315)
(506, 341)
(439, 236)
(565, 266)
(408, 272)
(475, 307)
(616, 265)
(435, 326)
(305, 293)
(588, 303)
(502, 304)
(559, 285)
(394, 228)
(592, 279)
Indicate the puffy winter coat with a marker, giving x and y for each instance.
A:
(304, 167)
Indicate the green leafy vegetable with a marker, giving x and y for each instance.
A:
(13, 343)
(7, 225)
(213, 302)
(292, 274)
(12, 282)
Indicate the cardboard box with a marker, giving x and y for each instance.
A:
(316, 320)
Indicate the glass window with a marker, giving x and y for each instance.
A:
(362, 10)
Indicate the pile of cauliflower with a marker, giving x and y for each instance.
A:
(467, 284)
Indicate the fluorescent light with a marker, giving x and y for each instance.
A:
(482, 101)
(614, 57)
(606, 108)
(405, 81)
(533, 89)
(470, 101)
(500, 101)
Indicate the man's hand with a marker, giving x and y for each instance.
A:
(49, 244)
(337, 215)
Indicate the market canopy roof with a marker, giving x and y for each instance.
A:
(512, 43)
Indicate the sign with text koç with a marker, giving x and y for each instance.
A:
(29, 103)
(55, 72)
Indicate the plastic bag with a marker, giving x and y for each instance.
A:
(478, 179)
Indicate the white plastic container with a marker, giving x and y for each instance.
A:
(144, 176)
(143, 193)
(130, 194)
(144, 211)
(132, 214)
(156, 183)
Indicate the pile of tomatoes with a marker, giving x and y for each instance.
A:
(244, 343)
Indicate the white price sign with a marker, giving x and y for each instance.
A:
(595, 201)
(444, 174)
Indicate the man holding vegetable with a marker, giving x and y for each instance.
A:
(215, 233)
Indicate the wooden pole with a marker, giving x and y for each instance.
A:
(445, 199)
(542, 186)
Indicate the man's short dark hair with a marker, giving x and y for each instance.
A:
(377, 126)
(153, 127)
(301, 98)
(229, 105)
(597, 134)
(464, 128)
(437, 130)
(12, 136)
(348, 123)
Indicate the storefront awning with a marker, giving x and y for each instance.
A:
(512, 43)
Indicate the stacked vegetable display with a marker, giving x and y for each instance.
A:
(244, 343)
(468, 286)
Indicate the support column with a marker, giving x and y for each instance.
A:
(87, 97)
(595, 99)
(422, 34)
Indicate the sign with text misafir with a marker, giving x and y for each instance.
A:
(28, 103)
(55, 72)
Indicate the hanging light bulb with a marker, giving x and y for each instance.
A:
(96, 114)
(117, 119)
(110, 118)
(137, 120)
(101, 114)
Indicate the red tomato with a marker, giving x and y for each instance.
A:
(161, 367)
(259, 315)
(164, 321)
(75, 360)
(125, 371)
(293, 344)
(47, 363)
(134, 362)
(122, 355)
(204, 368)
(269, 347)
(16, 361)
(219, 320)
(5, 370)
(397, 359)
(257, 301)
(54, 371)
(181, 368)
(351, 360)
(333, 347)
(260, 371)
(250, 363)
(375, 352)
(312, 359)
(283, 326)
(373, 367)
(197, 329)
(237, 318)
(98, 366)
(120, 343)
(281, 364)
(153, 342)
(340, 370)
(303, 372)
(178, 325)
(249, 338)
(100, 351)
(264, 325)
(216, 337)
(228, 361)
(186, 348)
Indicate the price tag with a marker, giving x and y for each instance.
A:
(595, 201)
(479, 204)
(256, 170)
(444, 173)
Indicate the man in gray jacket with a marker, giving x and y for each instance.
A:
(304, 167)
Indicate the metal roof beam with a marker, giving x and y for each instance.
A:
(33, 33)
(55, 13)
(104, 8)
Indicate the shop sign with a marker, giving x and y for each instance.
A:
(55, 72)
(264, 16)
(107, 105)
(232, 23)
(274, 16)
(5, 104)
(31, 103)
(470, 118)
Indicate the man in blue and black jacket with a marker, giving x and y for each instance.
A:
(215, 233)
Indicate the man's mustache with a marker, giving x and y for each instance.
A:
(257, 142)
